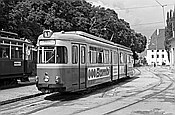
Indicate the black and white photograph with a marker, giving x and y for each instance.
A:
(87, 57)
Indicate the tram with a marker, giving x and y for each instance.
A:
(75, 60)
(16, 58)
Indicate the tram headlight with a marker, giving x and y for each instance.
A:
(57, 79)
(46, 78)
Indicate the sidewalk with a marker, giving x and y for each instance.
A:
(16, 93)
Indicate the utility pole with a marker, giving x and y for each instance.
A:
(163, 10)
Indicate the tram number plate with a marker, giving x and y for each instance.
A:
(17, 64)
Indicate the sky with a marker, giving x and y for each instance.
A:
(144, 16)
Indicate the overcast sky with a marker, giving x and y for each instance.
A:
(144, 16)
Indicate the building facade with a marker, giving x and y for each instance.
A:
(156, 53)
(171, 36)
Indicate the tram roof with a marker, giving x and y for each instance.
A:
(5, 33)
(80, 36)
(12, 37)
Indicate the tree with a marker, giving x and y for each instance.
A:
(30, 17)
(168, 36)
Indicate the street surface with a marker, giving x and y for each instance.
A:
(150, 92)
(19, 92)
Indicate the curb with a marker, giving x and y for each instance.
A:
(19, 99)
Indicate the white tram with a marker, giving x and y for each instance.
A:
(73, 61)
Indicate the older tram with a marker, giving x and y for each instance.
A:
(73, 61)
(16, 58)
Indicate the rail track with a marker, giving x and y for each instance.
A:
(34, 104)
(156, 89)
(146, 97)
(37, 102)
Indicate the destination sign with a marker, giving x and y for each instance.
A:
(47, 42)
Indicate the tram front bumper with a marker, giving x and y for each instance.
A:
(51, 87)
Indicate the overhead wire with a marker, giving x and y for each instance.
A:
(147, 23)
(142, 7)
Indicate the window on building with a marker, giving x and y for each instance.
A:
(152, 56)
(152, 50)
(162, 56)
(157, 50)
(162, 50)
(157, 56)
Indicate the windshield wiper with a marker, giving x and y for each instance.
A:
(53, 55)
(49, 58)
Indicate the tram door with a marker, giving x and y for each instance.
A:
(79, 62)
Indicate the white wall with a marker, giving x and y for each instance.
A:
(151, 60)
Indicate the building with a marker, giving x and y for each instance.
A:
(171, 38)
(156, 53)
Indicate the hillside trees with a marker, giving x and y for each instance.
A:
(30, 17)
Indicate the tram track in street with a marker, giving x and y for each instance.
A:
(38, 103)
(14, 105)
(20, 99)
(42, 103)
(141, 98)
(148, 96)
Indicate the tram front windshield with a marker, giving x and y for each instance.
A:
(52, 54)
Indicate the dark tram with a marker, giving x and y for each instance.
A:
(16, 58)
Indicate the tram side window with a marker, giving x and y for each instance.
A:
(124, 58)
(4, 51)
(83, 55)
(115, 57)
(129, 58)
(106, 56)
(121, 57)
(16, 52)
(74, 54)
(62, 56)
(93, 55)
(100, 55)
